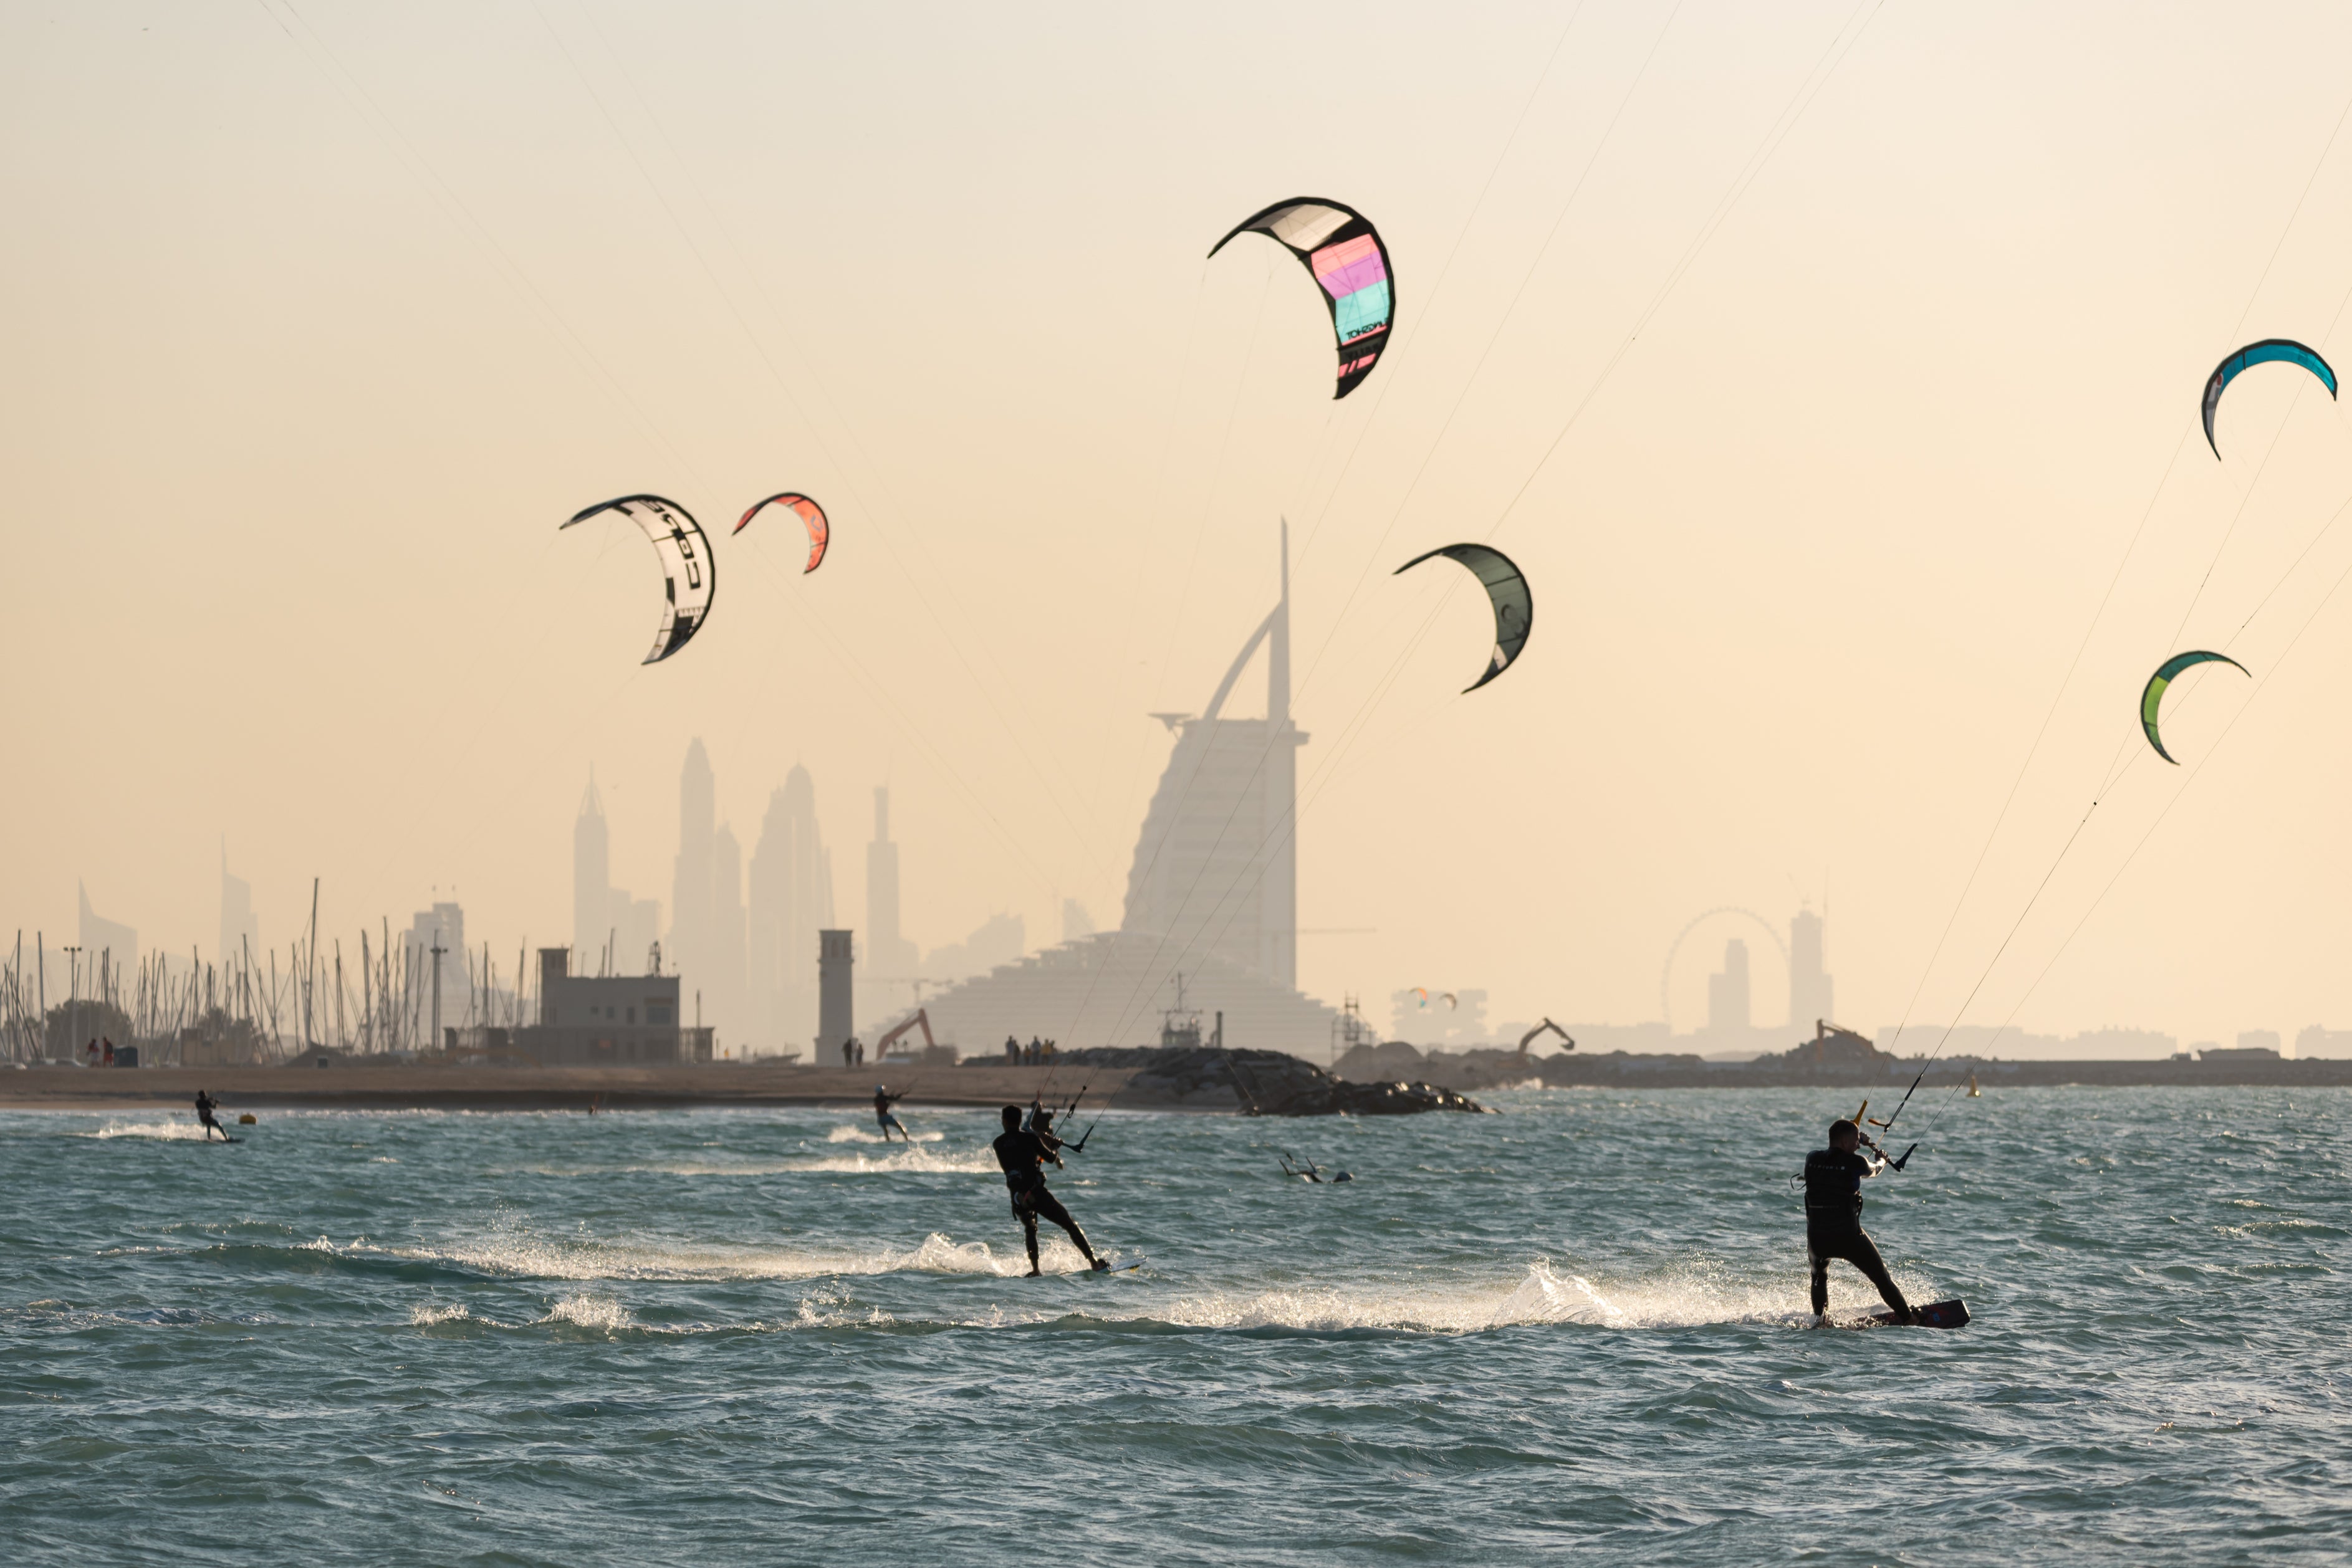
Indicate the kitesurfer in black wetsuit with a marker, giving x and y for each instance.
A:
(1834, 1178)
(1023, 1156)
(206, 1106)
(883, 1100)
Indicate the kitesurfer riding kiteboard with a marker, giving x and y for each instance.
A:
(883, 1100)
(206, 1106)
(1834, 1178)
(1022, 1154)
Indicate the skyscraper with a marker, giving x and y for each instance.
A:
(722, 979)
(240, 933)
(1727, 993)
(789, 902)
(891, 960)
(611, 932)
(689, 946)
(109, 952)
(1216, 867)
(591, 884)
(1810, 993)
(443, 925)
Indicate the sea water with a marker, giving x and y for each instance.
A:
(1576, 1329)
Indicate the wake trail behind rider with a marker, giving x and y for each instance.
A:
(883, 1100)
(1022, 1154)
(1834, 1178)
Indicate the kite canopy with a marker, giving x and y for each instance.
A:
(1506, 587)
(2166, 673)
(689, 572)
(810, 512)
(1339, 245)
(2261, 353)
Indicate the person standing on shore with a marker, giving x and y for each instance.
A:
(1023, 1157)
(1834, 1178)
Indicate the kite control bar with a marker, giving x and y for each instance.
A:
(1862, 1119)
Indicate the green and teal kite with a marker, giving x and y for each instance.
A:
(2166, 673)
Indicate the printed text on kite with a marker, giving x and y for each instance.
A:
(689, 574)
(1343, 253)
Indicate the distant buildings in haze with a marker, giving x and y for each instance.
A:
(1726, 992)
(791, 902)
(106, 948)
(240, 933)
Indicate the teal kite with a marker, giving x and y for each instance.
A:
(2261, 353)
(2166, 673)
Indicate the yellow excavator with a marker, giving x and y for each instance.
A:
(921, 1020)
(1538, 1032)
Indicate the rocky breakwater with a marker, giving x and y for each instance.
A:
(1478, 1068)
(1255, 1083)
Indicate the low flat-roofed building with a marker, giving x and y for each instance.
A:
(615, 1020)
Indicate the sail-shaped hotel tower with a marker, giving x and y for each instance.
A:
(1216, 869)
(1212, 893)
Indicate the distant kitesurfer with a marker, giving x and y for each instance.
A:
(1834, 1178)
(206, 1106)
(1308, 1170)
(883, 1100)
(1023, 1156)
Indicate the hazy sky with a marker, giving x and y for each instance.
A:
(320, 319)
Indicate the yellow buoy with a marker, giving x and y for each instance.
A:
(247, 1120)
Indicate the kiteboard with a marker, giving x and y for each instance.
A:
(1951, 1315)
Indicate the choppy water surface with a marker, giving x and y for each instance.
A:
(1571, 1330)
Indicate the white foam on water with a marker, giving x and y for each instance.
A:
(860, 1135)
(171, 1132)
(905, 1160)
(525, 1256)
(1539, 1296)
(978, 1161)
(591, 1312)
(424, 1316)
